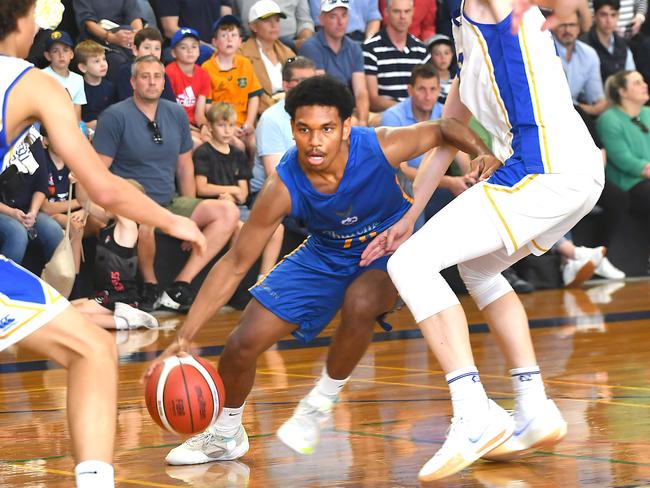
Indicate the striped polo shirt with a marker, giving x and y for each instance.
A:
(391, 66)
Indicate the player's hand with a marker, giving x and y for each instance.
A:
(562, 9)
(186, 230)
(482, 167)
(180, 347)
(388, 241)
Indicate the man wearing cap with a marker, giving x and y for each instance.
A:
(389, 57)
(335, 54)
(264, 49)
(59, 53)
(189, 82)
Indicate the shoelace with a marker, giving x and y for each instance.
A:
(208, 437)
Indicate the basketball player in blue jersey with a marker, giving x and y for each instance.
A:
(33, 314)
(512, 81)
(341, 180)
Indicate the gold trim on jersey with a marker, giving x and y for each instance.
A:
(302, 244)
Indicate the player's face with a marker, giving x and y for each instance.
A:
(60, 56)
(319, 133)
(606, 19)
(568, 32)
(227, 41)
(224, 130)
(149, 81)
(400, 15)
(425, 93)
(96, 66)
(441, 56)
(187, 50)
(149, 47)
(267, 29)
(636, 89)
(335, 22)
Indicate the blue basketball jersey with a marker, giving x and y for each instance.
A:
(11, 70)
(369, 199)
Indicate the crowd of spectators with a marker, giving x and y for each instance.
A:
(186, 97)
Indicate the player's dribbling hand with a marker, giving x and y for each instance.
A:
(387, 242)
(179, 347)
(482, 167)
(562, 9)
(186, 230)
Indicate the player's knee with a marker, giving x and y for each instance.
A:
(484, 288)
(96, 346)
(360, 307)
(241, 350)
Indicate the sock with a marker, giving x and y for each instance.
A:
(120, 323)
(329, 386)
(468, 397)
(229, 421)
(529, 390)
(94, 474)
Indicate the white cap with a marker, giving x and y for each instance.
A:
(263, 9)
(329, 5)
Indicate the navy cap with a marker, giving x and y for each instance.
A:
(226, 20)
(58, 36)
(182, 33)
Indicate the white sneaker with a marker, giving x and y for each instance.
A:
(460, 449)
(209, 446)
(547, 428)
(607, 270)
(593, 254)
(577, 271)
(134, 317)
(302, 431)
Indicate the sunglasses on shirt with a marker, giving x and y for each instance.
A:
(637, 121)
(155, 132)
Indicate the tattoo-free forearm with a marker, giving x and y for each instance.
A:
(462, 137)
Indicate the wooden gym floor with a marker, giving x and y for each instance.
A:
(592, 344)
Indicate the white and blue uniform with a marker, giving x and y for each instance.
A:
(308, 286)
(552, 174)
(26, 302)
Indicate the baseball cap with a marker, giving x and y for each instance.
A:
(264, 9)
(226, 20)
(329, 5)
(58, 36)
(439, 38)
(182, 33)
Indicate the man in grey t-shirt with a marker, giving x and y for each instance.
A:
(148, 139)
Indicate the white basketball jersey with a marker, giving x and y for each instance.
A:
(516, 88)
(11, 69)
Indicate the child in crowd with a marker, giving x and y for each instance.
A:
(442, 58)
(59, 53)
(100, 93)
(116, 264)
(146, 41)
(190, 83)
(222, 171)
(233, 80)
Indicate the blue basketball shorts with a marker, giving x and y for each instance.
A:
(26, 303)
(307, 289)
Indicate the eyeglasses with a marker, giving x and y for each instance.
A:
(290, 60)
(155, 131)
(571, 25)
(637, 121)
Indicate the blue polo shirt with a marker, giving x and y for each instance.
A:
(340, 65)
(582, 72)
(401, 114)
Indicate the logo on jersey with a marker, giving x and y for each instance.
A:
(348, 218)
(6, 322)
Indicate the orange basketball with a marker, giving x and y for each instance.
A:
(184, 395)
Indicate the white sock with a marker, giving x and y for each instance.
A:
(329, 386)
(120, 323)
(94, 474)
(468, 397)
(229, 420)
(529, 390)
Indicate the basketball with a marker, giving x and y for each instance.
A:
(184, 395)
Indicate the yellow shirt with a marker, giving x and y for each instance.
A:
(235, 85)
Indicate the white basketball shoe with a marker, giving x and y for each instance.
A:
(302, 431)
(209, 446)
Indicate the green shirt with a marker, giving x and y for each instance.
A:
(628, 147)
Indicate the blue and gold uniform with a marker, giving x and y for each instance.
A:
(26, 302)
(307, 287)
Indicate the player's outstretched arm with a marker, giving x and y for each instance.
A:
(271, 206)
(562, 9)
(38, 97)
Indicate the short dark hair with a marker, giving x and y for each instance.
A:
(10, 12)
(147, 34)
(299, 62)
(426, 71)
(615, 4)
(324, 90)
